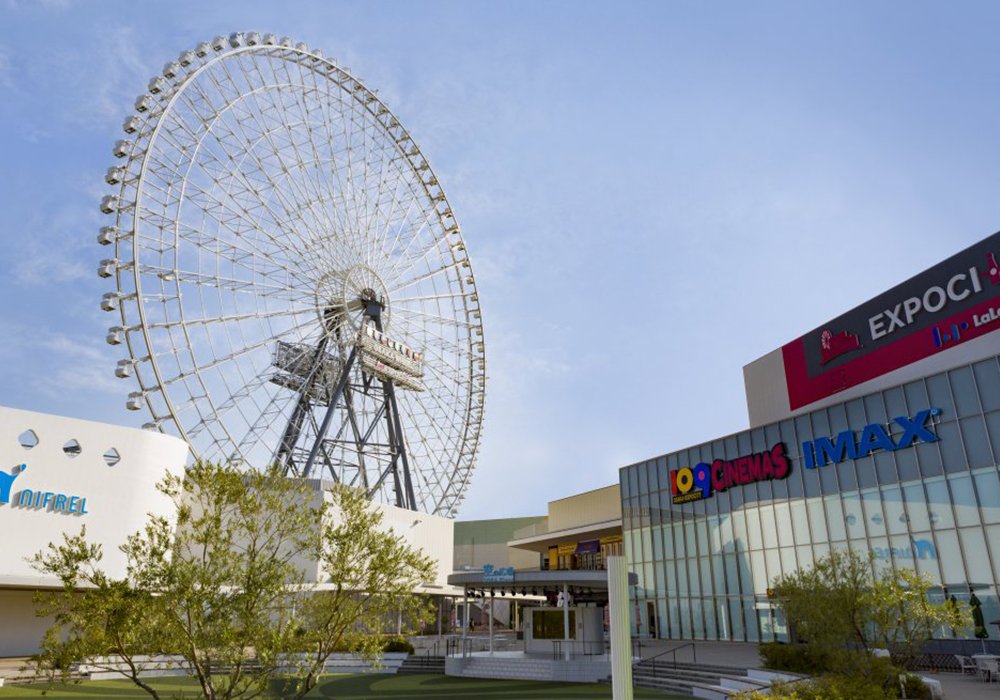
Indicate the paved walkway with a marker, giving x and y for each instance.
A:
(968, 687)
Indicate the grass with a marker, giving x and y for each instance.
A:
(348, 687)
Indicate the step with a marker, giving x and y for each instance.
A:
(712, 692)
(714, 668)
(422, 664)
(663, 684)
(693, 676)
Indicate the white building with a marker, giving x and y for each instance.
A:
(59, 474)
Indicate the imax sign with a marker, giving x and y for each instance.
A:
(851, 444)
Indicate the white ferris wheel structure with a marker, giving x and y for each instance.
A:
(291, 284)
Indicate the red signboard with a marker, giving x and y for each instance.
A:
(952, 303)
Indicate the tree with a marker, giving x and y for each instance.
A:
(903, 615)
(225, 592)
(371, 578)
(840, 605)
(827, 604)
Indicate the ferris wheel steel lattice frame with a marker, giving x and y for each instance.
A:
(292, 283)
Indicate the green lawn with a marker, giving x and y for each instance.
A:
(350, 687)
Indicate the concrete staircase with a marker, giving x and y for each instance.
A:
(683, 677)
(522, 667)
(422, 664)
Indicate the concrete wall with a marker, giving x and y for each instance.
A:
(431, 533)
(586, 508)
(20, 630)
(479, 542)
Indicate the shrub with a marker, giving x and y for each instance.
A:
(797, 658)
(397, 644)
(915, 688)
(828, 687)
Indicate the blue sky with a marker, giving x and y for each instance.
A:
(652, 194)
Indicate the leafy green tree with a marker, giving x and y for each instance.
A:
(903, 616)
(226, 591)
(371, 576)
(827, 604)
(843, 609)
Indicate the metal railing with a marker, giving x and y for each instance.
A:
(652, 660)
(468, 645)
(578, 648)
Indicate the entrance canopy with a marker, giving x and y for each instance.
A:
(532, 582)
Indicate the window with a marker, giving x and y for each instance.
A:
(988, 486)
(964, 390)
(548, 624)
(988, 378)
(977, 447)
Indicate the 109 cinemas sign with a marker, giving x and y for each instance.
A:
(700, 481)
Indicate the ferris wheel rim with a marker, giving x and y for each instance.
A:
(416, 163)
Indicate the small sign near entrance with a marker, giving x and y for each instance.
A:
(492, 574)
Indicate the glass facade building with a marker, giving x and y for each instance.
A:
(921, 492)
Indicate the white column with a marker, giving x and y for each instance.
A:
(465, 616)
(565, 601)
(491, 622)
(621, 642)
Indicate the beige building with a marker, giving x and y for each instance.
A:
(580, 532)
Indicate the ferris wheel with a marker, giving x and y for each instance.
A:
(291, 282)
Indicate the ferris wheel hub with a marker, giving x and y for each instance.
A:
(343, 298)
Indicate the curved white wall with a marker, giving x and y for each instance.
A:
(119, 498)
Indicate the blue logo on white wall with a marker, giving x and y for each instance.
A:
(36, 499)
(7, 482)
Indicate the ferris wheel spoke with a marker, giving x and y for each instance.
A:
(425, 276)
(226, 212)
(225, 319)
(443, 320)
(255, 288)
(243, 214)
(246, 139)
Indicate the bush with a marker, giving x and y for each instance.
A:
(915, 688)
(846, 675)
(828, 687)
(797, 658)
(397, 644)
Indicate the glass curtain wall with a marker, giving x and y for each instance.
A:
(704, 568)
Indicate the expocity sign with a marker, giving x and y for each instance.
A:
(955, 301)
(38, 499)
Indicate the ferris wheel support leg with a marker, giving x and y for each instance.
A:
(294, 427)
(291, 436)
(345, 375)
(358, 439)
(397, 487)
(411, 501)
(391, 469)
